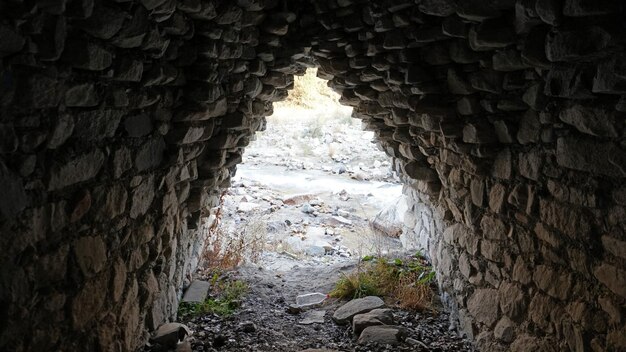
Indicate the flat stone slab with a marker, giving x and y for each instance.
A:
(197, 292)
(372, 318)
(383, 335)
(313, 317)
(345, 313)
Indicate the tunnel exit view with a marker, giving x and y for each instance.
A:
(314, 216)
(173, 177)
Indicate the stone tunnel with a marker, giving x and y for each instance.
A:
(121, 122)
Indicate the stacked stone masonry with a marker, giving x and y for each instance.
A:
(122, 121)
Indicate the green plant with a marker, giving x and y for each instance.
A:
(224, 303)
(406, 281)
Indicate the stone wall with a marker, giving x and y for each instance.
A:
(122, 120)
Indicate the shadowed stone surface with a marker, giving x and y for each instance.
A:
(117, 115)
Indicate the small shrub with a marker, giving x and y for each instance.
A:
(408, 282)
(355, 285)
(228, 250)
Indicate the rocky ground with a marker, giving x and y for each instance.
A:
(304, 201)
(318, 183)
(265, 323)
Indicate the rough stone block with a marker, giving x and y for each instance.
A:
(454, 27)
(142, 198)
(95, 125)
(612, 277)
(576, 44)
(10, 41)
(581, 8)
(91, 254)
(150, 154)
(483, 306)
(89, 302)
(529, 129)
(491, 35)
(604, 158)
(87, 55)
(505, 330)
(79, 169)
(513, 302)
(554, 283)
(493, 228)
(569, 220)
(596, 121)
(81, 95)
(530, 164)
(104, 23)
(549, 11)
(15, 198)
(479, 133)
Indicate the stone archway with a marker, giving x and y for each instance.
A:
(121, 121)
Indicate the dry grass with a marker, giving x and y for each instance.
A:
(228, 250)
(405, 282)
(412, 294)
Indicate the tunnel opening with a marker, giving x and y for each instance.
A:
(315, 212)
(122, 122)
(314, 159)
